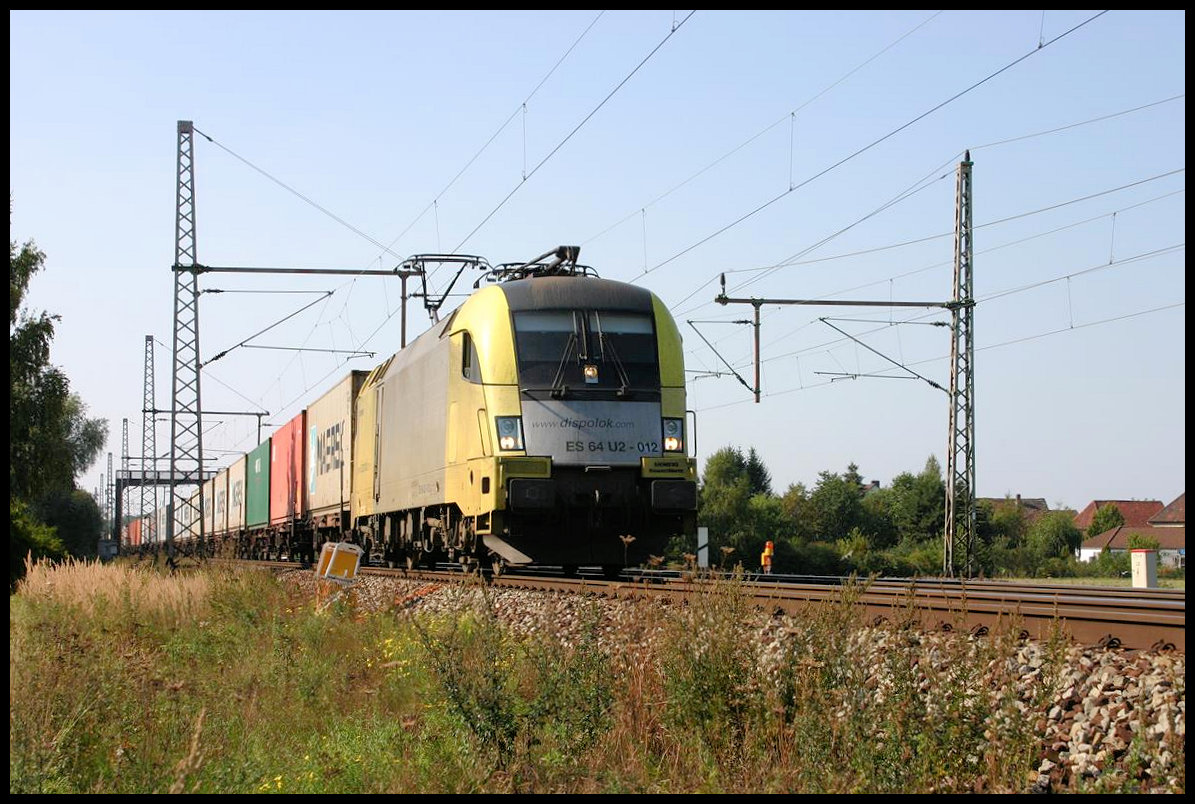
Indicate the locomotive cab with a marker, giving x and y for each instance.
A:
(601, 397)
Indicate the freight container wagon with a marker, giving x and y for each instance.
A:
(257, 487)
(255, 543)
(288, 491)
(219, 519)
(329, 458)
(160, 520)
(184, 518)
(236, 498)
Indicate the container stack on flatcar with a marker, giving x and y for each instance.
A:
(543, 422)
(329, 459)
(236, 503)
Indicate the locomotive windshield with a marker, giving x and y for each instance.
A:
(588, 353)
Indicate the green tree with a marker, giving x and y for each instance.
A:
(798, 513)
(724, 502)
(28, 537)
(737, 505)
(76, 518)
(1053, 535)
(1139, 541)
(837, 504)
(1107, 516)
(1008, 523)
(724, 466)
(51, 439)
(758, 474)
(851, 475)
(766, 522)
(880, 524)
(918, 503)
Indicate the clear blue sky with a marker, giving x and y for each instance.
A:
(804, 154)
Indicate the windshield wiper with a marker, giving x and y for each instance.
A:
(559, 389)
(624, 381)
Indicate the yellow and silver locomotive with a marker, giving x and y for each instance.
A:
(543, 422)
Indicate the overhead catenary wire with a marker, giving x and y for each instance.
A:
(520, 107)
(1003, 220)
(787, 335)
(795, 259)
(868, 147)
(788, 115)
(267, 329)
(715, 351)
(1014, 341)
(791, 260)
(296, 193)
(988, 250)
(207, 375)
(941, 235)
(1002, 293)
(676, 27)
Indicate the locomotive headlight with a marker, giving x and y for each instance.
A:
(674, 431)
(510, 432)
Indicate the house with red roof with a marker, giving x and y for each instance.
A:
(1136, 513)
(1164, 524)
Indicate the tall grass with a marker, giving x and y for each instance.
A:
(92, 590)
(124, 680)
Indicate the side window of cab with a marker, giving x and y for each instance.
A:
(470, 364)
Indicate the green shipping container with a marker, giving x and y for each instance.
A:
(257, 486)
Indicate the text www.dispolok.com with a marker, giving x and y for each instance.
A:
(583, 424)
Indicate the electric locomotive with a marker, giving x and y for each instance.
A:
(543, 422)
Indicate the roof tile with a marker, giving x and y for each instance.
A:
(1136, 512)
(1173, 514)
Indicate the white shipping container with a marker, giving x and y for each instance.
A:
(329, 464)
(160, 516)
(236, 496)
(184, 515)
(220, 493)
(209, 506)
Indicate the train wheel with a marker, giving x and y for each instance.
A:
(497, 566)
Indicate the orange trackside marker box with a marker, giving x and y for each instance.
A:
(338, 561)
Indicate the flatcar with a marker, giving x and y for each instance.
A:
(543, 422)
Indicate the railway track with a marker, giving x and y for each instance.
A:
(1132, 619)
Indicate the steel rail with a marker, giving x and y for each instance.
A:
(1133, 619)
